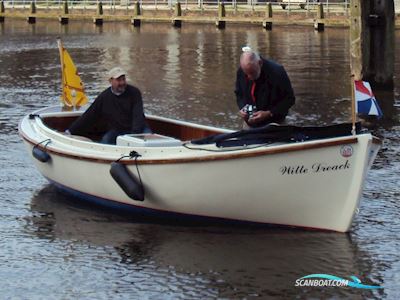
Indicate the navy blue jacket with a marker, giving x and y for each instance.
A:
(273, 91)
(123, 113)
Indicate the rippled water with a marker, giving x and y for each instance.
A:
(52, 247)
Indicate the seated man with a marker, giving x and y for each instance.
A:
(119, 107)
(263, 84)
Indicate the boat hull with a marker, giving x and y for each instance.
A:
(317, 188)
(313, 184)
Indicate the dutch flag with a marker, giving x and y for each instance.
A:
(365, 100)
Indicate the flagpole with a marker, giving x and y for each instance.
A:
(60, 48)
(353, 106)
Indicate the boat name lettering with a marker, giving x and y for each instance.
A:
(319, 167)
(292, 170)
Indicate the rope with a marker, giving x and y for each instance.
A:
(46, 140)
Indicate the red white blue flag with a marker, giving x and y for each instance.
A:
(366, 103)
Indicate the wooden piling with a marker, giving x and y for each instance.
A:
(65, 7)
(63, 19)
(135, 21)
(221, 15)
(319, 23)
(100, 8)
(98, 20)
(33, 8)
(177, 21)
(372, 42)
(267, 23)
(2, 11)
(382, 44)
(31, 18)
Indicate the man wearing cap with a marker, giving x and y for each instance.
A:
(263, 86)
(119, 108)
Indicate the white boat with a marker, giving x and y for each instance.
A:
(315, 183)
(286, 175)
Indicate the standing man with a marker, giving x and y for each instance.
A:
(264, 84)
(119, 108)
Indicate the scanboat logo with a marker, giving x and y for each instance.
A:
(323, 280)
(346, 151)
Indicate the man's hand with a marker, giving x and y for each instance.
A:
(243, 114)
(260, 116)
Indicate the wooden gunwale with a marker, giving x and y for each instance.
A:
(213, 157)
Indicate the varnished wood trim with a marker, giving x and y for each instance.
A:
(376, 140)
(183, 132)
(228, 156)
(179, 131)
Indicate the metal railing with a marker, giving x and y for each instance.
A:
(338, 6)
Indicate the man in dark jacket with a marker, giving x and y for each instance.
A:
(264, 84)
(119, 108)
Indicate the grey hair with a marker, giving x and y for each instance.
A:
(251, 57)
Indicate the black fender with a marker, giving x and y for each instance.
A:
(127, 181)
(40, 154)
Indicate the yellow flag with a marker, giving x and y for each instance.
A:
(73, 92)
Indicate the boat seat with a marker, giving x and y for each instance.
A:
(147, 140)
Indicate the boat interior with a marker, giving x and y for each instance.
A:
(168, 132)
(164, 127)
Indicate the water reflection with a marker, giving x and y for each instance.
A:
(172, 66)
(214, 261)
(64, 29)
(252, 40)
(200, 61)
(387, 104)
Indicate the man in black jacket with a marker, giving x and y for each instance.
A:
(264, 84)
(119, 108)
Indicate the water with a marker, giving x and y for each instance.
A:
(53, 247)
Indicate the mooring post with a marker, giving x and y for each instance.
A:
(221, 15)
(372, 37)
(135, 21)
(65, 7)
(98, 20)
(64, 16)
(2, 11)
(177, 21)
(31, 18)
(267, 24)
(319, 22)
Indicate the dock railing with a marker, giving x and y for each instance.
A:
(110, 6)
